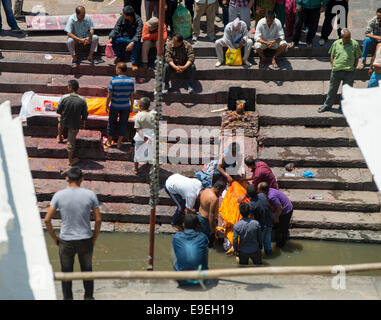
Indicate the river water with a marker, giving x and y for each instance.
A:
(129, 251)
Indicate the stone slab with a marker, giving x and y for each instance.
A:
(334, 200)
(313, 157)
(304, 136)
(336, 220)
(298, 115)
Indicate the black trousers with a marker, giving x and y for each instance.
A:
(329, 16)
(189, 5)
(310, 18)
(189, 73)
(256, 257)
(136, 4)
(67, 252)
(171, 7)
(281, 229)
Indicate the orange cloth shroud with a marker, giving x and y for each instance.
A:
(229, 209)
(96, 107)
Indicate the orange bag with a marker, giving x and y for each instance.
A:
(229, 208)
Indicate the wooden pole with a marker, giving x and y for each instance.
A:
(156, 166)
(212, 274)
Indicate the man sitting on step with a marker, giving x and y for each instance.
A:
(179, 58)
(235, 36)
(80, 29)
(72, 108)
(126, 35)
(269, 34)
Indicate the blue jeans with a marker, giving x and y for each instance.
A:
(178, 217)
(365, 46)
(204, 224)
(113, 122)
(373, 82)
(267, 240)
(7, 4)
(119, 46)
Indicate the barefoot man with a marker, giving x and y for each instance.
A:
(208, 211)
(72, 108)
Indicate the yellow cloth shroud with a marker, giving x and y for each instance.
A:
(96, 107)
(229, 209)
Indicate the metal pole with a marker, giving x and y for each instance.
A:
(154, 173)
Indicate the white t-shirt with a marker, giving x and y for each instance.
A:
(187, 188)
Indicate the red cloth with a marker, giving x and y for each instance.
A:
(263, 173)
(146, 35)
(290, 12)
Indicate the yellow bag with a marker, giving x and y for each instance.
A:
(233, 57)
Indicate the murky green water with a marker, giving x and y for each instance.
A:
(129, 251)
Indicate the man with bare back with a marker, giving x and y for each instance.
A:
(208, 211)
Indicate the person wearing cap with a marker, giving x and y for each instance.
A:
(75, 205)
(235, 36)
(126, 35)
(149, 36)
(202, 7)
(80, 29)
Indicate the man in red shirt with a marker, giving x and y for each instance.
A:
(261, 172)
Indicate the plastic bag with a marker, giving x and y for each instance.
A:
(182, 21)
(109, 52)
(233, 57)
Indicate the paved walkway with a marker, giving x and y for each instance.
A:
(237, 288)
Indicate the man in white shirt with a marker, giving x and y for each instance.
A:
(269, 35)
(184, 192)
(235, 36)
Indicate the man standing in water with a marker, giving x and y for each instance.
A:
(208, 211)
(75, 205)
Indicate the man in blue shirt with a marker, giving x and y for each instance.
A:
(119, 100)
(80, 29)
(190, 248)
(259, 208)
(247, 238)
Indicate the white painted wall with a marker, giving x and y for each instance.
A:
(362, 109)
(25, 270)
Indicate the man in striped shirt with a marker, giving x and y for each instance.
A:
(119, 99)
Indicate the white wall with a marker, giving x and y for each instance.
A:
(25, 270)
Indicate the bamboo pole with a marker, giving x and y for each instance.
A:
(154, 174)
(212, 274)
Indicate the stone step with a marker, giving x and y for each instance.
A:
(356, 179)
(56, 43)
(112, 171)
(361, 236)
(313, 157)
(336, 220)
(298, 115)
(138, 193)
(122, 171)
(206, 91)
(334, 200)
(290, 69)
(42, 126)
(305, 136)
(123, 212)
(169, 152)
